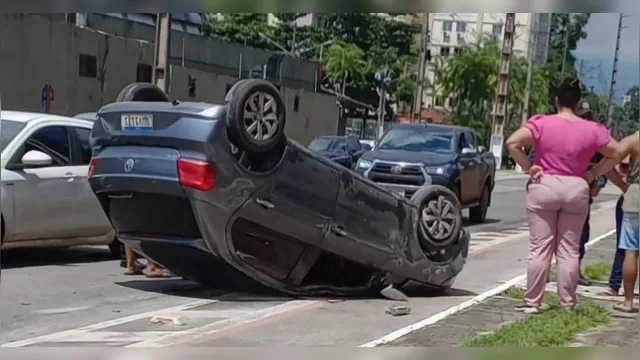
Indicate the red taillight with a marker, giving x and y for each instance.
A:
(196, 174)
(92, 167)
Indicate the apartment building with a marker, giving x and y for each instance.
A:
(310, 19)
(452, 31)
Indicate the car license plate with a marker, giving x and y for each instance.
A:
(136, 122)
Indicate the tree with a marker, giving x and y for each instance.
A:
(468, 80)
(626, 118)
(249, 29)
(567, 29)
(345, 65)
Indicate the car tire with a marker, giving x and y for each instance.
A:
(478, 214)
(256, 116)
(142, 92)
(439, 217)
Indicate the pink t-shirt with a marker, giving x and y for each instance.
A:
(564, 147)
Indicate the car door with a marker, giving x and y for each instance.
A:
(44, 200)
(89, 212)
(369, 223)
(299, 200)
(471, 170)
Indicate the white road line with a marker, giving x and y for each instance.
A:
(222, 325)
(455, 309)
(105, 324)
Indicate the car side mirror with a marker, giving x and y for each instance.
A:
(35, 159)
(468, 151)
(366, 147)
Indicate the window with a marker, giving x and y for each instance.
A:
(51, 140)
(469, 140)
(461, 27)
(82, 136)
(447, 26)
(446, 37)
(439, 101)
(144, 73)
(296, 103)
(458, 50)
(445, 51)
(88, 66)
(496, 30)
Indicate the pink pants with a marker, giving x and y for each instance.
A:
(557, 207)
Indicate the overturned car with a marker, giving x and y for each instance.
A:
(218, 194)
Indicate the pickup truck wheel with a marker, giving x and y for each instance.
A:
(256, 116)
(439, 217)
(478, 214)
(142, 92)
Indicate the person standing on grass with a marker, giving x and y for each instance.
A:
(618, 176)
(557, 199)
(630, 232)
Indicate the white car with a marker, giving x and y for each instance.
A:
(46, 197)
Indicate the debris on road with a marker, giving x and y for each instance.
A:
(391, 293)
(167, 320)
(398, 310)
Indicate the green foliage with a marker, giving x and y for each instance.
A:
(626, 119)
(345, 65)
(469, 79)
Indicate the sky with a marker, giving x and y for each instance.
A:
(598, 48)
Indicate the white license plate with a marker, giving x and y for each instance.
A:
(136, 122)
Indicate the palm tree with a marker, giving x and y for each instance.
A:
(345, 65)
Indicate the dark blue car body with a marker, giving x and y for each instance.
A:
(306, 225)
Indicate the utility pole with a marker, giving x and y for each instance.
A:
(162, 48)
(500, 103)
(565, 51)
(614, 70)
(422, 67)
(527, 89)
(580, 67)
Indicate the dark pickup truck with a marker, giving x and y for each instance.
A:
(410, 156)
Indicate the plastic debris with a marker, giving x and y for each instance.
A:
(167, 320)
(398, 310)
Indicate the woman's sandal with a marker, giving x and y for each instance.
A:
(131, 272)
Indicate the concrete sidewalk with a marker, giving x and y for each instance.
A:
(498, 311)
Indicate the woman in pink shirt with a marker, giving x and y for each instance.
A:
(558, 191)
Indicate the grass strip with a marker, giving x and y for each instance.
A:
(597, 272)
(553, 327)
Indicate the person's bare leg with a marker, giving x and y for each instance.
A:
(131, 262)
(629, 276)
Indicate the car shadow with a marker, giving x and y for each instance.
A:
(467, 222)
(20, 258)
(187, 288)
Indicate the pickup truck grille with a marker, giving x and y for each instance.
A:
(408, 175)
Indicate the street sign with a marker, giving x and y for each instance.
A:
(47, 97)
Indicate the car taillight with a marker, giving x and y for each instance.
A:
(196, 174)
(92, 167)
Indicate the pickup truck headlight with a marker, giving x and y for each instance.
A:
(437, 170)
(363, 164)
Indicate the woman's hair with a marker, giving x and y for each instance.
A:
(569, 93)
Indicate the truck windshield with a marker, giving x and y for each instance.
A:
(417, 139)
(9, 130)
(329, 144)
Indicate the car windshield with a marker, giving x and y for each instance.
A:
(9, 130)
(416, 139)
(329, 144)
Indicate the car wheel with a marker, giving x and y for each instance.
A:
(478, 214)
(142, 92)
(116, 249)
(256, 116)
(439, 217)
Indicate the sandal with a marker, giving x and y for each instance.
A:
(620, 307)
(135, 271)
(158, 274)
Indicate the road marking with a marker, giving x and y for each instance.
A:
(455, 309)
(237, 319)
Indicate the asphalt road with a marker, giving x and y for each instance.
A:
(48, 291)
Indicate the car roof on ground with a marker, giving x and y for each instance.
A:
(24, 116)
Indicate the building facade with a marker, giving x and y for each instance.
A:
(450, 32)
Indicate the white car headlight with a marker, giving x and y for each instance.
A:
(436, 170)
(363, 164)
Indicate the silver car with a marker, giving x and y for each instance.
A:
(46, 198)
